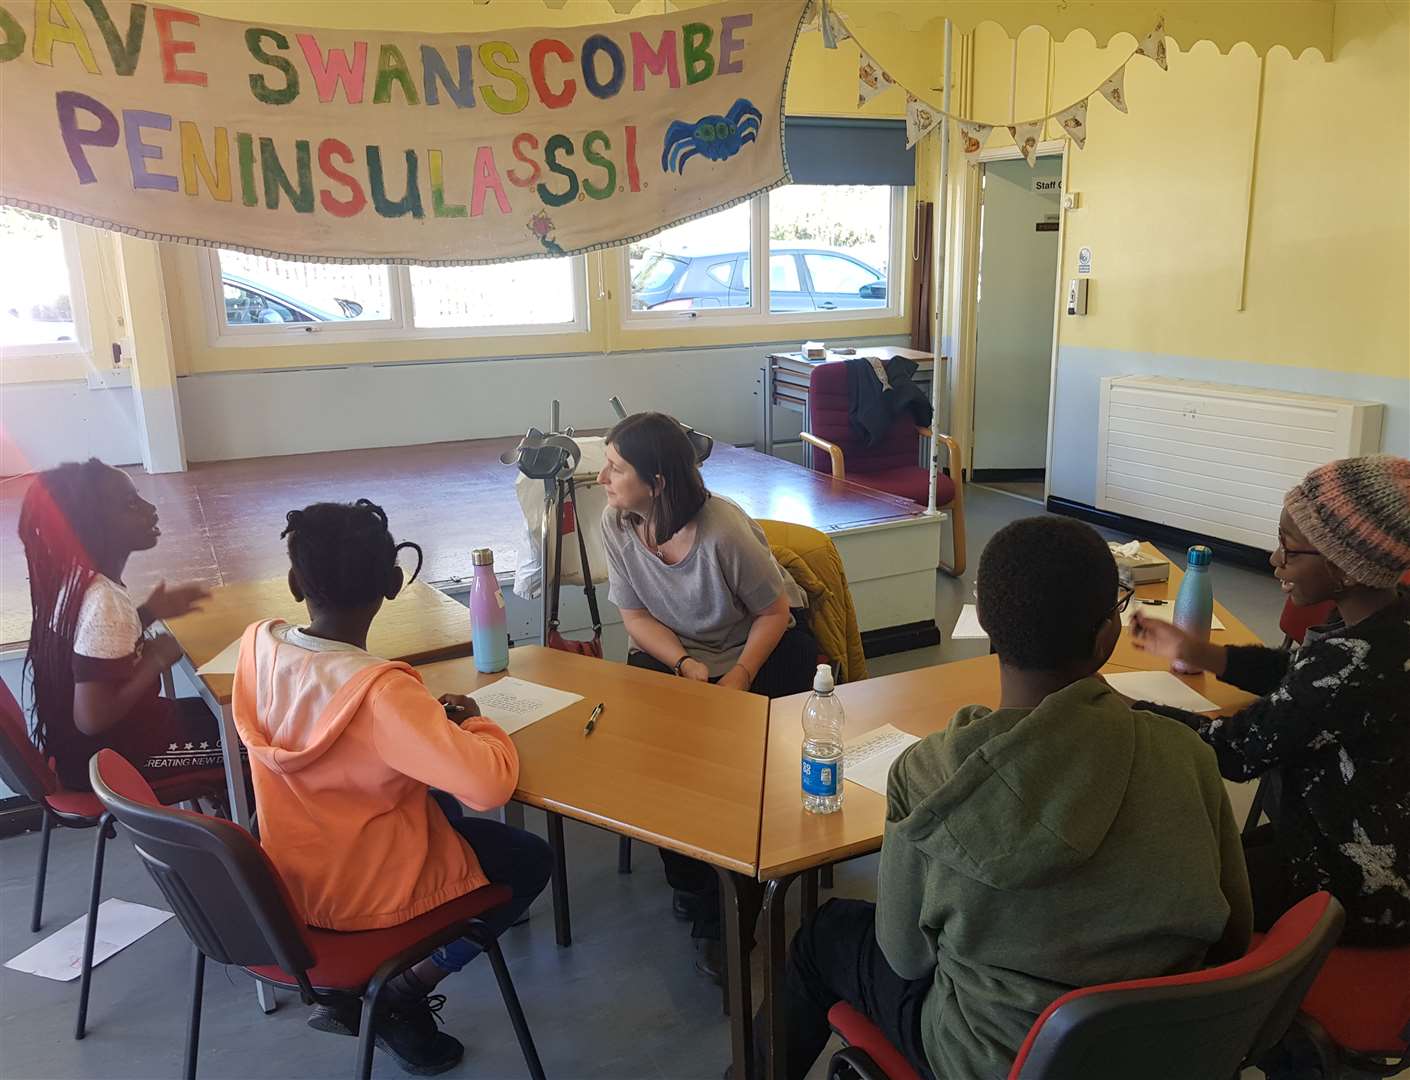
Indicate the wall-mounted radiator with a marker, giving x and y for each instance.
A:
(1217, 459)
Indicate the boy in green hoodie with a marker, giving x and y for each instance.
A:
(1061, 840)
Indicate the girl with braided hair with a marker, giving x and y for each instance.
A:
(94, 671)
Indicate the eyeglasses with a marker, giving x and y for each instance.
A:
(1123, 599)
(1283, 551)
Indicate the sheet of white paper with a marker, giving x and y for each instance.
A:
(967, 626)
(60, 955)
(223, 662)
(867, 759)
(1163, 612)
(513, 703)
(1161, 687)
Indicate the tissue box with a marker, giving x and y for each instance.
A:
(815, 350)
(1138, 568)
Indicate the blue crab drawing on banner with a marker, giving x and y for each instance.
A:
(715, 137)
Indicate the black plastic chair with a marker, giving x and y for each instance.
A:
(237, 910)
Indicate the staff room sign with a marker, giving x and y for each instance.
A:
(397, 147)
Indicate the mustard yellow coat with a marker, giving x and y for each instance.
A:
(814, 563)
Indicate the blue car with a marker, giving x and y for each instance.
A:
(800, 279)
(248, 303)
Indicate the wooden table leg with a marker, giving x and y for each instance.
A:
(562, 920)
(737, 981)
(810, 892)
(775, 958)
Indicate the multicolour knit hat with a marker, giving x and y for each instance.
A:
(1356, 512)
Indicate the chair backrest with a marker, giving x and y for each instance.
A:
(1202, 1023)
(829, 417)
(1295, 621)
(21, 764)
(222, 886)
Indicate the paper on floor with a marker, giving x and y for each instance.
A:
(513, 703)
(1161, 687)
(967, 626)
(867, 759)
(223, 662)
(1162, 612)
(60, 955)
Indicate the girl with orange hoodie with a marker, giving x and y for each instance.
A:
(357, 771)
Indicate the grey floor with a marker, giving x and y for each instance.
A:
(622, 1002)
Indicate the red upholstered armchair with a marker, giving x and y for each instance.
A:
(890, 467)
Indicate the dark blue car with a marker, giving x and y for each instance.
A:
(800, 279)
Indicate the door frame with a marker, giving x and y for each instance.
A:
(963, 379)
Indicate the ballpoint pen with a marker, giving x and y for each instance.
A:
(592, 720)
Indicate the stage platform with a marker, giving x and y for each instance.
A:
(221, 522)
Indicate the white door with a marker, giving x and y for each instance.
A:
(1017, 274)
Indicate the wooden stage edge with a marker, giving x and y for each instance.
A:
(221, 521)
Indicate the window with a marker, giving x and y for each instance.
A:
(39, 286)
(264, 300)
(692, 266)
(834, 251)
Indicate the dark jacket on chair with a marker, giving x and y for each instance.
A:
(875, 406)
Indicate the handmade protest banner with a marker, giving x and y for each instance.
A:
(389, 147)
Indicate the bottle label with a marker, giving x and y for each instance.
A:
(819, 777)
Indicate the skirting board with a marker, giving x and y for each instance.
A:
(1226, 550)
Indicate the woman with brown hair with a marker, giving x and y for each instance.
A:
(701, 596)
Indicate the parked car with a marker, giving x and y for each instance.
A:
(800, 279)
(248, 303)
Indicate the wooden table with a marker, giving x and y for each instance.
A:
(794, 843)
(674, 763)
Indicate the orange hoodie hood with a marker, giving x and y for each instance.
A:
(304, 700)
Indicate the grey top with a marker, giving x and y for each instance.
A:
(710, 597)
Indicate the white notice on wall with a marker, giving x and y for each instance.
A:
(1084, 260)
(1047, 185)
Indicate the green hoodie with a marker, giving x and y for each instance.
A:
(1029, 852)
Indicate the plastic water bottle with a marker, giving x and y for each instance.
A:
(1194, 604)
(822, 746)
(489, 625)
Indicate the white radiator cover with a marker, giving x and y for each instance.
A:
(1217, 459)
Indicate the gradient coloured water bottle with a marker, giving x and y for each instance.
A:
(489, 624)
(1194, 603)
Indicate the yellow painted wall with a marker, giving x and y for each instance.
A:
(1165, 193)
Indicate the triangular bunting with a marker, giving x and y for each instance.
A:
(1025, 137)
(920, 119)
(1114, 89)
(871, 80)
(811, 19)
(972, 138)
(834, 30)
(1074, 122)
(1153, 45)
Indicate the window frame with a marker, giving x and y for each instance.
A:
(757, 313)
(400, 325)
(58, 360)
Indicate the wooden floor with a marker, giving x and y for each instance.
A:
(221, 521)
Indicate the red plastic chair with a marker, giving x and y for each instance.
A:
(1357, 1011)
(890, 467)
(26, 771)
(1203, 1023)
(237, 910)
(1295, 621)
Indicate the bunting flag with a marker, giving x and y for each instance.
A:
(1153, 45)
(1025, 137)
(1114, 89)
(920, 119)
(871, 80)
(972, 138)
(1074, 122)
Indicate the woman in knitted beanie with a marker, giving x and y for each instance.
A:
(1332, 729)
